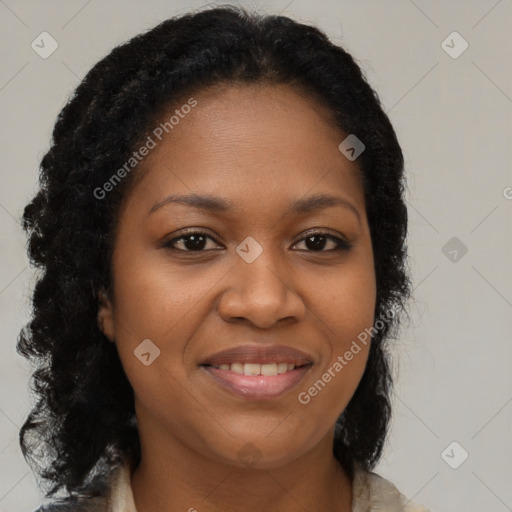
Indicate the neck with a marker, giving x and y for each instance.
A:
(171, 476)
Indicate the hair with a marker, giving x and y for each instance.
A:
(83, 417)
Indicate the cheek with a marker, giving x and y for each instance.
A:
(346, 309)
(345, 299)
(153, 298)
(154, 302)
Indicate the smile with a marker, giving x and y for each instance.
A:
(254, 381)
(256, 368)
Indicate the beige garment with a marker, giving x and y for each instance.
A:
(371, 493)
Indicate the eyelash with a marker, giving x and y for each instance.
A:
(341, 245)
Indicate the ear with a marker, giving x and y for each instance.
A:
(105, 315)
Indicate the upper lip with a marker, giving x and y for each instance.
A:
(259, 354)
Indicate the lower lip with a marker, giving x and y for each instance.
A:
(257, 387)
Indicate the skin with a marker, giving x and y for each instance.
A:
(261, 147)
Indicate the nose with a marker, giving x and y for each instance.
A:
(262, 293)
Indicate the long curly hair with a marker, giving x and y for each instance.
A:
(82, 424)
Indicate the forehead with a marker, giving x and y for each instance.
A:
(270, 141)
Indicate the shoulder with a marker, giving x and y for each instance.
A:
(373, 492)
(98, 504)
(108, 490)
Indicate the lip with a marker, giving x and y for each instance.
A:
(257, 387)
(259, 354)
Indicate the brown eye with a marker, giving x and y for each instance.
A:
(316, 242)
(197, 241)
(194, 241)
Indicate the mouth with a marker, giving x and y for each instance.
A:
(253, 381)
(256, 371)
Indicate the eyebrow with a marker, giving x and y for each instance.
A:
(215, 204)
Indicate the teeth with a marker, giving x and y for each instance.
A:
(267, 369)
(237, 367)
(282, 367)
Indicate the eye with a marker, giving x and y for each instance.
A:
(316, 242)
(197, 241)
(193, 241)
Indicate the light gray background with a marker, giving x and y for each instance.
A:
(453, 119)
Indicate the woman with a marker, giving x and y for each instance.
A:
(221, 231)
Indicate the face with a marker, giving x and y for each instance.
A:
(195, 280)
